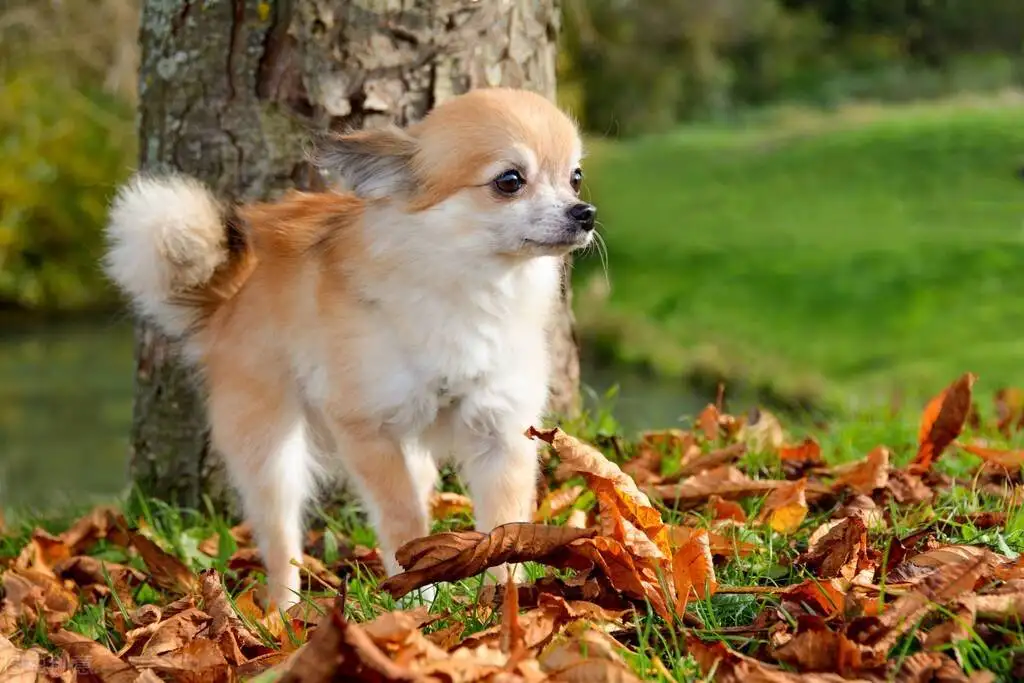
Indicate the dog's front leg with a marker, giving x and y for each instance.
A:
(500, 467)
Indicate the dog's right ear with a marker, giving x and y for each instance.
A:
(373, 163)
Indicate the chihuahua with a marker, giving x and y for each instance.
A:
(380, 328)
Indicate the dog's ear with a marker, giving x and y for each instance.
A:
(373, 163)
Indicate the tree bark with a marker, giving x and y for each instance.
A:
(229, 91)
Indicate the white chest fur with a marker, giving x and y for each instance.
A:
(476, 337)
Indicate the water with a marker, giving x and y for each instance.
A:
(66, 405)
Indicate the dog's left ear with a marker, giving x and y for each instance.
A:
(373, 163)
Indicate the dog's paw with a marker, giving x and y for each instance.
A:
(420, 597)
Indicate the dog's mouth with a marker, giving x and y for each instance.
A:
(563, 243)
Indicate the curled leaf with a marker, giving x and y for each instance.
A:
(455, 555)
(942, 421)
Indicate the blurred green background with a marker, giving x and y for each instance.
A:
(820, 203)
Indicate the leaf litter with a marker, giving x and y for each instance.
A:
(844, 574)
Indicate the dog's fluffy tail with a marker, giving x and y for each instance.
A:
(172, 248)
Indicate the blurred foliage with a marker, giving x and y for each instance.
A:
(67, 138)
(637, 67)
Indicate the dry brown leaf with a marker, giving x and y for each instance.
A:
(693, 571)
(447, 504)
(586, 459)
(730, 666)
(226, 627)
(926, 667)
(166, 571)
(448, 637)
(513, 641)
(840, 551)
(631, 576)
(923, 564)
(18, 666)
(908, 488)
(199, 661)
(638, 526)
(584, 654)
(825, 598)
(816, 648)
(785, 508)
(1007, 459)
(878, 634)
(864, 476)
(726, 482)
(102, 663)
(102, 522)
(34, 595)
(942, 421)
(42, 552)
(340, 649)
(455, 555)
(557, 502)
(724, 543)
(697, 462)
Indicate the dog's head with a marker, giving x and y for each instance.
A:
(496, 169)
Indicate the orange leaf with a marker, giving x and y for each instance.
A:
(693, 570)
(726, 509)
(942, 422)
(708, 422)
(808, 451)
(786, 507)
(557, 502)
(864, 476)
(1007, 459)
(446, 504)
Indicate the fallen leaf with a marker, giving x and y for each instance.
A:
(101, 522)
(200, 661)
(583, 655)
(455, 555)
(786, 507)
(446, 504)
(730, 666)
(723, 543)
(340, 650)
(839, 552)
(1009, 408)
(166, 571)
(942, 421)
(826, 598)
(698, 462)
(693, 571)
(34, 596)
(879, 634)
(18, 666)
(763, 432)
(726, 482)
(807, 451)
(864, 476)
(815, 647)
(1007, 459)
(725, 509)
(100, 661)
(586, 459)
(921, 565)
(557, 502)
(226, 627)
(708, 420)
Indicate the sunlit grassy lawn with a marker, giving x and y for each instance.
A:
(846, 254)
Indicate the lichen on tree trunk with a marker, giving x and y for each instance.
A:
(229, 91)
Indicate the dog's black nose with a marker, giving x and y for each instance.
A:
(583, 214)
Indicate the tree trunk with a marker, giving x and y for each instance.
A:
(228, 92)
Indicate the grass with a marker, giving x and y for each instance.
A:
(836, 257)
(656, 649)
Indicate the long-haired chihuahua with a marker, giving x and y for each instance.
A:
(384, 327)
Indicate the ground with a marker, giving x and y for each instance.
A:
(838, 256)
(891, 540)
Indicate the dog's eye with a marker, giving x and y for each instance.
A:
(576, 179)
(509, 182)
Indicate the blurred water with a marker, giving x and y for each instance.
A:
(66, 403)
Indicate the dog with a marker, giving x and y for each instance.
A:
(384, 327)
